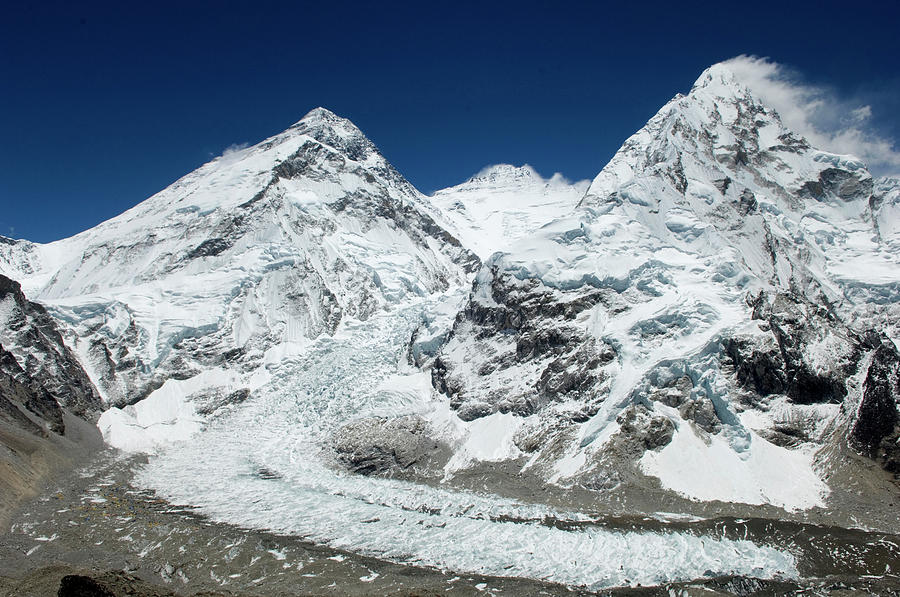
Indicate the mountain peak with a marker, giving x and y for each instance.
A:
(319, 114)
(328, 128)
(719, 74)
(323, 119)
(721, 84)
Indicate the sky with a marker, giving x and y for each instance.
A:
(104, 104)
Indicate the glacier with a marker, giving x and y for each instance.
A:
(283, 429)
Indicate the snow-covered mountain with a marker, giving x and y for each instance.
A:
(709, 312)
(504, 203)
(245, 260)
(713, 317)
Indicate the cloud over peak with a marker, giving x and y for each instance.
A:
(829, 121)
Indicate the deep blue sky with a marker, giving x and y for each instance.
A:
(102, 105)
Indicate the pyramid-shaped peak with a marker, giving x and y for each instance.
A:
(323, 118)
(325, 126)
(721, 73)
(320, 114)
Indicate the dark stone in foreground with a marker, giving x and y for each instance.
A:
(75, 585)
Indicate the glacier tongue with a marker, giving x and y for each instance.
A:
(268, 454)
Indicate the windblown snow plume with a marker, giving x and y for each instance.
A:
(827, 120)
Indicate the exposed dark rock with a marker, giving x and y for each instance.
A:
(75, 585)
(209, 248)
(42, 360)
(112, 584)
(876, 432)
(652, 430)
(572, 371)
(838, 183)
(470, 410)
(812, 188)
(18, 388)
(780, 361)
(388, 447)
(703, 413)
(785, 436)
(14, 395)
(807, 387)
(747, 202)
(209, 404)
(758, 366)
(675, 393)
(534, 325)
(722, 184)
(222, 237)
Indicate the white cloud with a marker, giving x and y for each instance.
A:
(828, 121)
(234, 148)
(861, 114)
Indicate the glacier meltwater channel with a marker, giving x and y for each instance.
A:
(281, 429)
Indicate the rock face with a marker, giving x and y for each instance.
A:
(19, 392)
(876, 432)
(528, 352)
(807, 354)
(39, 371)
(48, 406)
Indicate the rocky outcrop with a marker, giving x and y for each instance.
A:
(520, 349)
(389, 447)
(876, 431)
(25, 403)
(47, 402)
(34, 353)
(802, 350)
(650, 430)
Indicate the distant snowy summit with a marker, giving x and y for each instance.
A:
(507, 175)
(504, 203)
